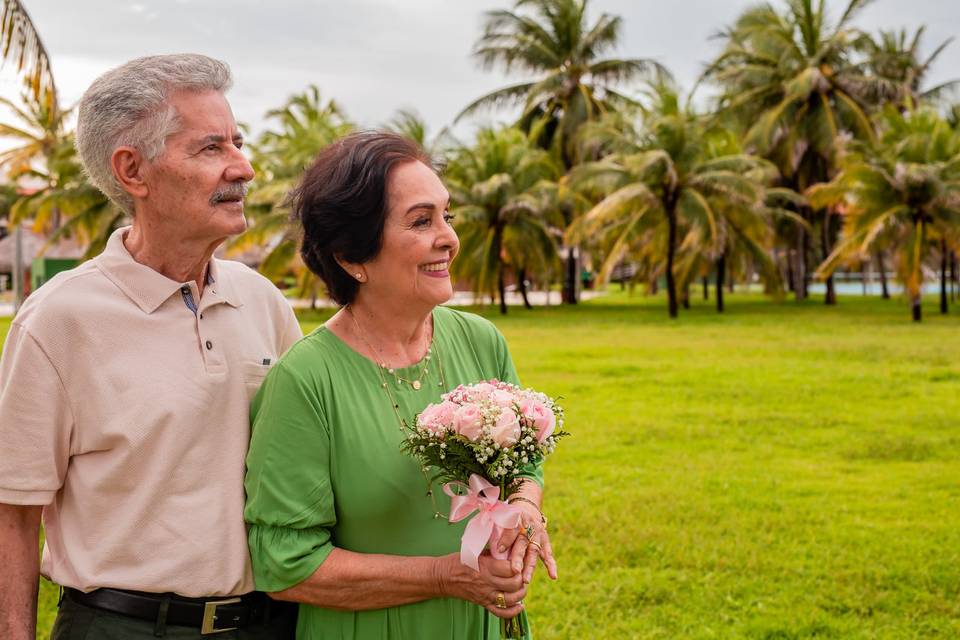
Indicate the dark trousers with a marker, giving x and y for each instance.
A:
(79, 622)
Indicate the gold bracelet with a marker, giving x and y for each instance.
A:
(543, 518)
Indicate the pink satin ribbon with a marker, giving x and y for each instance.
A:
(494, 516)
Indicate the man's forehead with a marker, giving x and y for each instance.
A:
(204, 115)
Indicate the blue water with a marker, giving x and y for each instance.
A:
(873, 288)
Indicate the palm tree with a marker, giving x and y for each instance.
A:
(791, 78)
(571, 82)
(307, 124)
(903, 192)
(58, 199)
(408, 123)
(83, 211)
(505, 199)
(899, 70)
(21, 42)
(42, 140)
(664, 187)
(740, 232)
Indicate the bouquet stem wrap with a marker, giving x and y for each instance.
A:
(494, 516)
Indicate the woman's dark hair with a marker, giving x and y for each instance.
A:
(341, 204)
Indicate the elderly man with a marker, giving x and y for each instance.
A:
(125, 383)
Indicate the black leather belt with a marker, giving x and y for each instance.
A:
(210, 615)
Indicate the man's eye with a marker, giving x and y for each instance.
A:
(211, 147)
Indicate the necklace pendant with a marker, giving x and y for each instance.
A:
(416, 385)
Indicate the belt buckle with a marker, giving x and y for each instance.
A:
(210, 616)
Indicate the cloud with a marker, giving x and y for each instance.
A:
(374, 56)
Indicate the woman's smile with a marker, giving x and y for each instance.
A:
(436, 269)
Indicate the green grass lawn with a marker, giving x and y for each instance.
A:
(779, 472)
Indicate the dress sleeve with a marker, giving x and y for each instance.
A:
(290, 506)
(36, 422)
(508, 373)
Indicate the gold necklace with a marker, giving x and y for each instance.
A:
(404, 427)
(424, 364)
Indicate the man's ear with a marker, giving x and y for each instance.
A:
(355, 270)
(127, 164)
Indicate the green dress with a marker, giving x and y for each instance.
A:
(325, 470)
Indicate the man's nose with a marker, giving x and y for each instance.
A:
(239, 169)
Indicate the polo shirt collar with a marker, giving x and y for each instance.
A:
(148, 288)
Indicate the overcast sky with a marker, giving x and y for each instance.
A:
(374, 56)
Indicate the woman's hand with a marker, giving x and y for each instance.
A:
(495, 578)
(526, 549)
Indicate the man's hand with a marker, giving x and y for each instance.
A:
(19, 557)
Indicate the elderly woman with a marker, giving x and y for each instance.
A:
(341, 520)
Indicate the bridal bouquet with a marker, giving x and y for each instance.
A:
(479, 440)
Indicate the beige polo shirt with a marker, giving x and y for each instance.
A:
(125, 414)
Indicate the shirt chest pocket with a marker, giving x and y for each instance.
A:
(253, 374)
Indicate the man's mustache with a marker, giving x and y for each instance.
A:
(232, 192)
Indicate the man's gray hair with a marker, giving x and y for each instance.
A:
(128, 106)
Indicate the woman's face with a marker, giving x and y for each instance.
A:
(413, 265)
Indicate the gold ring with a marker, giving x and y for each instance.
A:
(529, 531)
(501, 600)
(536, 544)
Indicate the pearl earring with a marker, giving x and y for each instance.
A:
(360, 277)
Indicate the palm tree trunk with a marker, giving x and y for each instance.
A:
(882, 269)
(571, 273)
(953, 276)
(800, 265)
(522, 285)
(706, 288)
(721, 274)
(788, 259)
(943, 276)
(502, 289)
(671, 250)
(831, 296)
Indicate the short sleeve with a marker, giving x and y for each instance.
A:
(36, 422)
(291, 330)
(290, 506)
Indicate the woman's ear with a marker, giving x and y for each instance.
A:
(356, 270)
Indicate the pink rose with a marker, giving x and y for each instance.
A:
(502, 398)
(539, 416)
(506, 431)
(483, 389)
(437, 417)
(468, 421)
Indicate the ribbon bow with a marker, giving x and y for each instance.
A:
(494, 516)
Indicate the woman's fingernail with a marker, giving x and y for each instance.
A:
(502, 548)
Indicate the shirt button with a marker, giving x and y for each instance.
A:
(209, 345)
